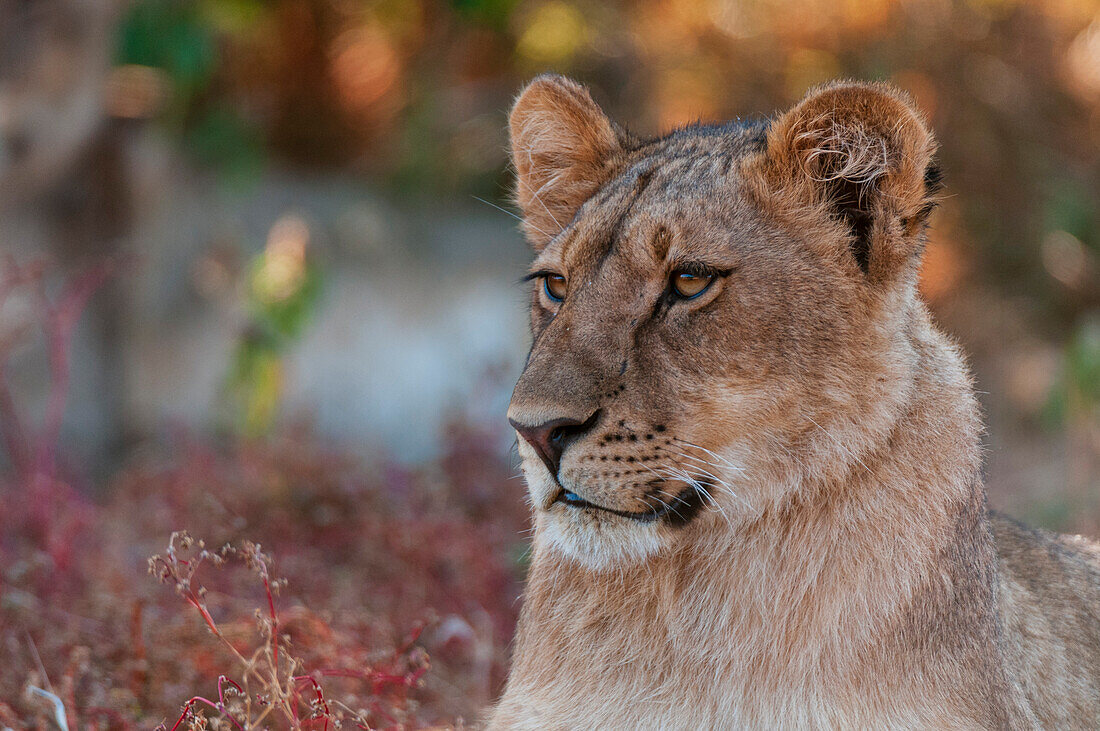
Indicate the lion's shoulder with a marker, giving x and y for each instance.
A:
(1049, 595)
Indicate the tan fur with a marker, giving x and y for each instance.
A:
(561, 144)
(837, 566)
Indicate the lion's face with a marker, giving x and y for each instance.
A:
(700, 331)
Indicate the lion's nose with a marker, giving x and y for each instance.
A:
(552, 437)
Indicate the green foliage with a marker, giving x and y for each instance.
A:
(1070, 208)
(491, 13)
(181, 39)
(1076, 394)
(174, 37)
(283, 290)
(282, 313)
(234, 16)
(221, 140)
(1083, 367)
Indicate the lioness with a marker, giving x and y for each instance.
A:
(753, 460)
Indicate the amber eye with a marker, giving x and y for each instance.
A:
(554, 284)
(689, 285)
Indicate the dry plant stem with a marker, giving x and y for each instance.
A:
(281, 685)
(218, 706)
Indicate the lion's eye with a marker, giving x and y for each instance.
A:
(689, 285)
(554, 284)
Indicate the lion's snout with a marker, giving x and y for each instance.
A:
(550, 438)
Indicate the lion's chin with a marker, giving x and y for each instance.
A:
(598, 542)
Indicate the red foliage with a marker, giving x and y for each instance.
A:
(268, 682)
(36, 505)
(384, 565)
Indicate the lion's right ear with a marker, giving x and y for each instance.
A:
(563, 147)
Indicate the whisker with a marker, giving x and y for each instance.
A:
(720, 483)
(674, 498)
(655, 509)
(518, 218)
(694, 458)
(706, 493)
(717, 456)
(535, 195)
(695, 484)
(672, 505)
(706, 472)
(712, 501)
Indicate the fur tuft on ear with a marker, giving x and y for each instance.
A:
(863, 153)
(563, 147)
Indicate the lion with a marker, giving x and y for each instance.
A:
(753, 461)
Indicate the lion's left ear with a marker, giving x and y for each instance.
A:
(861, 154)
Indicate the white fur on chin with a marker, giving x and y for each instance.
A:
(597, 542)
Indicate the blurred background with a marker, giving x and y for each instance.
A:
(256, 282)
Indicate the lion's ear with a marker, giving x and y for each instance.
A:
(864, 154)
(562, 148)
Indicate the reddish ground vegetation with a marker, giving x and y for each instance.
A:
(383, 568)
(390, 604)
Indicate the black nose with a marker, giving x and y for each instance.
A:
(551, 438)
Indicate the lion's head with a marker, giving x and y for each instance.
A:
(718, 315)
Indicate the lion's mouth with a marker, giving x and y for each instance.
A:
(679, 510)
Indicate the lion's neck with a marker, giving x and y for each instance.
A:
(797, 593)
